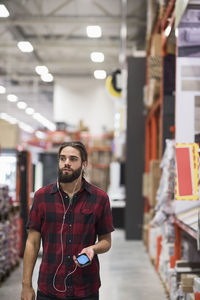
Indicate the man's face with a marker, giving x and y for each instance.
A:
(70, 165)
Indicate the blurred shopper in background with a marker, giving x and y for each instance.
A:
(68, 216)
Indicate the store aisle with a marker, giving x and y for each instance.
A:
(126, 272)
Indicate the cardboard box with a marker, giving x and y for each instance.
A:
(153, 91)
(9, 135)
(154, 180)
(145, 185)
(145, 235)
(156, 45)
(187, 281)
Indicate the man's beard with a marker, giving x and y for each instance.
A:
(65, 178)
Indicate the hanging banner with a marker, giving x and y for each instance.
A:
(187, 172)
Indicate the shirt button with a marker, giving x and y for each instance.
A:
(68, 256)
(70, 241)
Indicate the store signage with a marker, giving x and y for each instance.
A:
(187, 172)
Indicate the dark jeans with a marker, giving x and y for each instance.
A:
(41, 296)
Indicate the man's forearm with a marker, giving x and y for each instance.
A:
(101, 246)
(30, 256)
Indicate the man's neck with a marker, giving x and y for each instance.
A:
(71, 188)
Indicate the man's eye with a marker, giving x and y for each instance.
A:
(62, 158)
(74, 158)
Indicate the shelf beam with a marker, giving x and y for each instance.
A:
(186, 228)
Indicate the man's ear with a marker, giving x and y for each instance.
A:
(84, 165)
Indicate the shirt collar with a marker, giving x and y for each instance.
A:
(85, 186)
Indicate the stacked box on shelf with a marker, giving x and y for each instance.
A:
(9, 234)
(100, 177)
(9, 135)
(4, 200)
(154, 180)
(154, 233)
(196, 288)
(164, 261)
(186, 274)
(99, 161)
(152, 7)
(147, 217)
(14, 239)
(151, 182)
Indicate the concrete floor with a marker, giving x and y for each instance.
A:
(126, 274)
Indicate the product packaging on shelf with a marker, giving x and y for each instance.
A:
(9, 234)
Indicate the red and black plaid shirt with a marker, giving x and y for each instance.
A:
(88, 216)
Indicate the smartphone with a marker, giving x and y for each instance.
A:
(83, 260)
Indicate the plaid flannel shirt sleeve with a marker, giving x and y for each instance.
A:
(105, 223)
(36, 214)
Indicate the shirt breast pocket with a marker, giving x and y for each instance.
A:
(88, 216)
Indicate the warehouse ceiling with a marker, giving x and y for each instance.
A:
(57, 32)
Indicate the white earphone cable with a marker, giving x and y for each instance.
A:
(61, 239)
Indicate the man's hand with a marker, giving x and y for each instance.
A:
(28, 293)
(89, 251)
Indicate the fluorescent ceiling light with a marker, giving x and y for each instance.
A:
(4, 13)
(12, 120)
(47, 77)
(21, 105)
(46, 123)
(12, 98)
(100, 74)
(168, 30)
(8, 118)
(40, 134)
(97, 56)
(25, 46)
(94, 31)
(29, 111)
(2, 89)
(41, 70)
(25, 127)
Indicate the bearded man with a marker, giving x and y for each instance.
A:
(71, 217)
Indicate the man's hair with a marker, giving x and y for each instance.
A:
(77, 145)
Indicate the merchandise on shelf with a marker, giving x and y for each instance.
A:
(100, 156)
(4, 200)
(9, 233)
(165, 192)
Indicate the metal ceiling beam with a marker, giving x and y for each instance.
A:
(59, 7)
(103, 9)
(43, 20)
(67, 44)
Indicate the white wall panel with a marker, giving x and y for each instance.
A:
(84, 99)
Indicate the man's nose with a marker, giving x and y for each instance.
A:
(67, 163)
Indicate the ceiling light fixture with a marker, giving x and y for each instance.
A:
(40, 135)
(12, 98)
(41, 70)
(168, 30)
(29, 111)
(8, 118)
(2, 89)
(25, 127)
(97, 57)
(4, 13)
(46, 123)
(25, 46)
(13, 121)
(94, 31)
(21, 105)
(47, 77)
(100, 74)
